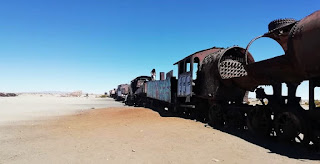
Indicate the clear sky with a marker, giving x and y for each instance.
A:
(94, 45)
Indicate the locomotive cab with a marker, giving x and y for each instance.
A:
(188, 69)
(136, 93)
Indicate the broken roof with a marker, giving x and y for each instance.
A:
(212, 48)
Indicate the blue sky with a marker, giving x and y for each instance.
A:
(66, 45)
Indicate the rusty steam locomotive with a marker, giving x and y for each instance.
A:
(212, 85)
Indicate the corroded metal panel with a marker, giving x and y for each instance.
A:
(119, 93)
(219, 82)
(184, 84)
(123, 89)
(137, 83)
(200, 54)
(301, 42)
(159, 89)
(161, 75)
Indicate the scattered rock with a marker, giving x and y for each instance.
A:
(215, 160)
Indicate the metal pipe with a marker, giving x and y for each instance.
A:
(247, 48)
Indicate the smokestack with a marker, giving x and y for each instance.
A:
(161, 75)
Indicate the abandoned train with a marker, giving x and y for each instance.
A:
(213, 85)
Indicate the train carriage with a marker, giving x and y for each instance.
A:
(161, 93)
(122, 92)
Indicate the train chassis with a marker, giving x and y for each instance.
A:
(214, 94)
(280, 116)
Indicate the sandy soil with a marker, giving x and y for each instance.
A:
(40, 106)
(127, 135)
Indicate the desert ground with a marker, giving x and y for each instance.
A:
(40, 106)
(52, 129)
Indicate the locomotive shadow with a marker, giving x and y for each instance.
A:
(290, 150)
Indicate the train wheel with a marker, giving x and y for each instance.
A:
(216, 116)
(234, 119)
(259, 121)
(201, 111)
(175, 108)
(148, 103)
(316, 140)
(140, 102)
(129, 101)
(144, 101)
(289, 127)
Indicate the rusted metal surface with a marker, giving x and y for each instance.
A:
(231, 68)
(159, 89)
(169, 74)
(301, 42)
(161, 75)
(200, 54)
(185, 77)
(304, 45)
(136, 90)
(137, 82)
(185, 84)
(219, 73)
(123, 89)
(279, 31)
(266, 72)
(216, 92)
